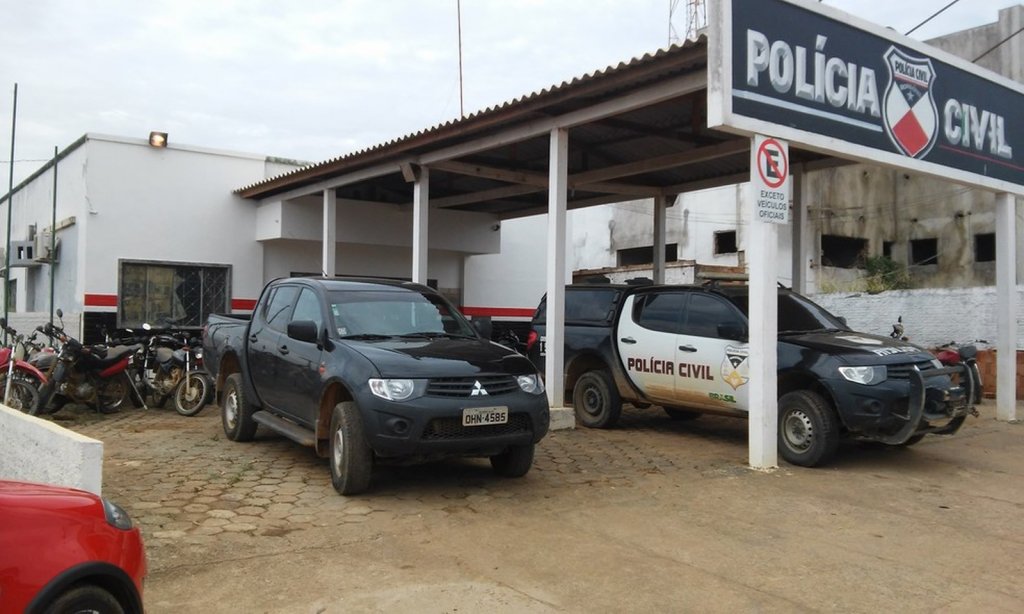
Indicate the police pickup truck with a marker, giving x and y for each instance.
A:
(367, 371)
(685, 348)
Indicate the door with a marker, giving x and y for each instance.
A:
(646, 338)
(300, 363)
(265, 335)
(712, 369)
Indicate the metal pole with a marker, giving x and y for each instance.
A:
(458, 8)
(53, 235)
(10, 214)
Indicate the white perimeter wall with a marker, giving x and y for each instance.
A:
(931, 317)
(36, 450)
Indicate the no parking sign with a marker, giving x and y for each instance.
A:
(769, 172)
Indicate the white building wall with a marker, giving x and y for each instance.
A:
(170, 204)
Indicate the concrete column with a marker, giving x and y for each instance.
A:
(1006, 307)
(558, 186)
(660, 204)
(420, 215)
(798, 221)
(762, 254)
(330, 245)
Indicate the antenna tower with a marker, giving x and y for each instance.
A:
(696, 18)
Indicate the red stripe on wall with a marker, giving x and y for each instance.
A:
(100, 300)
(497, 312)
(243, 304)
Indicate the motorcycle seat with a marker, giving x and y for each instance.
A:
(118, 352)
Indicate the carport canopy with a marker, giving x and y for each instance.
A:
(638, 130)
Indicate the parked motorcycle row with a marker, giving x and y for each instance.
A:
(159, 365)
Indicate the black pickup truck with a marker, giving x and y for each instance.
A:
(369, 371)
(685, 348)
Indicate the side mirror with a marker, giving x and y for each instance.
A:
(60, 314)
(304, 330)
(484, 326)
(733, 332)
(842, 319)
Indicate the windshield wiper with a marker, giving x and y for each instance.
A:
(811, 331)
(367, 337)
(433, 334)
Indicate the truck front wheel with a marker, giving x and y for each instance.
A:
(515, 462)
(596, 400)
(236, 412)
(351, 456)
(808, 430)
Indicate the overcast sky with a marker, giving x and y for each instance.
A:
(315, 79)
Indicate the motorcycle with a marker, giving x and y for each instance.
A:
(19, 380)
(91, 374)
(172, 367)
(953, 354)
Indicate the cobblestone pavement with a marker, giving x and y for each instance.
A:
(655, 515)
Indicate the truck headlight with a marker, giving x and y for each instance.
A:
(530, 383)
(869, 376)
(393, 389)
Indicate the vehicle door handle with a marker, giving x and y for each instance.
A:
(628, 340)
(283, 349)
(687, 348)
(252, 338)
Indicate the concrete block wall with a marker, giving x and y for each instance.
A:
(931, 317)
(36, 450)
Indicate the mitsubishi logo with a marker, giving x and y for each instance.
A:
(478, 390)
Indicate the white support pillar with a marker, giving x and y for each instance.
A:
(762, 255)
(558, 187)
(330, 229)
(660, 204)
(420, 218)
(1006, 307)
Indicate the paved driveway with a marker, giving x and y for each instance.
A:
(653, 516)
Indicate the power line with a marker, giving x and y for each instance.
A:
(1000, 43)
(933, 16)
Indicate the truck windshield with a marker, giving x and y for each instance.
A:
(797, 314)
(395, 313)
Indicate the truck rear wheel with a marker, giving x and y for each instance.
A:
(351, 457)
(515, 462)
(236, 412)
(596, 400)
(808, 430)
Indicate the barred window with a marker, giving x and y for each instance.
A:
(171, 294)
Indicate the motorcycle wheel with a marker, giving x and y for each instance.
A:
(23, 396)
(113, 393)
(191, 393)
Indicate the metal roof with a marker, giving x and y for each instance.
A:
(659, 149)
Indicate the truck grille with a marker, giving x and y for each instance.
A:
(465, 387)
(903, 371)
(451, 428)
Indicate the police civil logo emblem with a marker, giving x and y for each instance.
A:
(908, 109)
(735, 371)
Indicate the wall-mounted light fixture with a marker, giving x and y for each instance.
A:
(158, 139)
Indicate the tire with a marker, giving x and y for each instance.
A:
(515, 462)
(24, 396)
(351, 458)
(596, 400)
(191, 393)
(236, 412)
(681, 415)
(913, 439)
(85, 598)
(808, 429)
(113, 393)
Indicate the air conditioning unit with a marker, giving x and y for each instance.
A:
(42, 251)
(23, 254)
